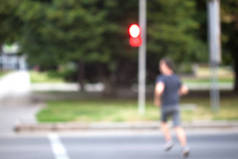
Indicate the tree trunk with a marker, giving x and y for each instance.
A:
(236, 75)
(107, 87)
(81, 75)
(108, 80)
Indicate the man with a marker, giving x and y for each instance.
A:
(168, 90)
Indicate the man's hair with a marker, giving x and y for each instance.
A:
(169, 63)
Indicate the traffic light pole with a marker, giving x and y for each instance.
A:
(142, 59)
(215, 50)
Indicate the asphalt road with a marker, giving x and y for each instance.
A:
(137, 146)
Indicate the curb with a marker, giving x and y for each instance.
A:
(74, 127)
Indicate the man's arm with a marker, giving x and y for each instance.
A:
(159, 89)
(183, 90)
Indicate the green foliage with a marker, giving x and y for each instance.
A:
(61, 31)
(172, 29)
(9, 23)
(230, 40)
(46, 77)
(95, 33)
(230, 30)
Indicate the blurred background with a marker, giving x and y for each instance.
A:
(82, 48)
(71, 61)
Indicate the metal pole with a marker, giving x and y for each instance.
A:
(215, 50)
(142, 58)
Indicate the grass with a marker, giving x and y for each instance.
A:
(126, 110)
(203, 75)
(89, 111)
(228, 110)
(3, 73)
(207, 80)
(45, 77)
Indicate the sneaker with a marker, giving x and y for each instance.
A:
(185, 151)
(168, 146)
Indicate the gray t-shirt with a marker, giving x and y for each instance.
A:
(170, 96)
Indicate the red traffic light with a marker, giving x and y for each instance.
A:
(135, 42)
(135, 35)
(134, 30)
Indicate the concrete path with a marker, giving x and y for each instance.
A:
(15, 104)
(99, 87)
(15, 84)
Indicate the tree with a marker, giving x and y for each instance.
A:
(230, 34)
(93, 34)
(173, 31)
(62, 31)
(9, 23)
(229, 15)
(85, 32)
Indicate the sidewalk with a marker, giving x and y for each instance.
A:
(99, 87)
(15, 103)
(15, 84)
(125, 126)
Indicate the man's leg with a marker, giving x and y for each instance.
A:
(183, 140)
(181, 136)
(166, 131)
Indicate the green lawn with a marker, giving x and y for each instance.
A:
(228, 110)
(45, 77)
(89, 111)
(126, 110)
(203, 73)
(207, 80)
(3, 73)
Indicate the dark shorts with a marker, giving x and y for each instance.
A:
(173, 112)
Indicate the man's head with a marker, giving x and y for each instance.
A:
(166, 66)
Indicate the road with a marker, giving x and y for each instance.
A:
(123, 146)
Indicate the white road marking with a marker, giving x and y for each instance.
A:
(57, 147)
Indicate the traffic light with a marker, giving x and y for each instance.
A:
(135, 35)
